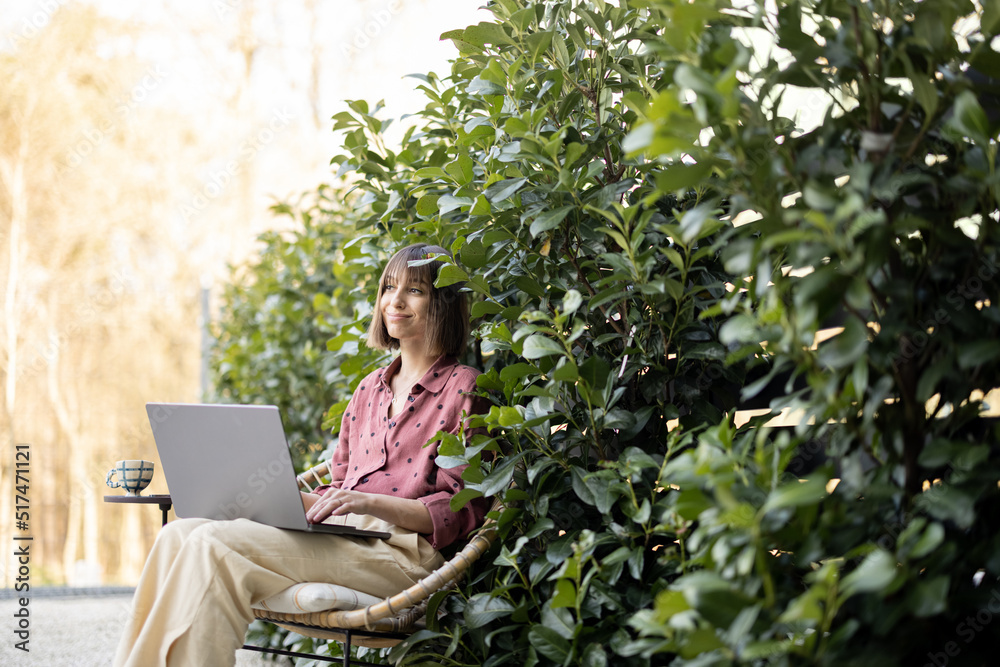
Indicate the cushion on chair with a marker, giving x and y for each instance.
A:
(310, 597)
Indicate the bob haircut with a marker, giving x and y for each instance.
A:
(448, 311)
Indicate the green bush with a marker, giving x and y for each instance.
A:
(649, 245)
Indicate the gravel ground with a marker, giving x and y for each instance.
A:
(77, 631)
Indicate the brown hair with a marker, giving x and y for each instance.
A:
(448, 314)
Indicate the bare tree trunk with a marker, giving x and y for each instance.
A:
(13, 179)
(68, 429)
(91, 529)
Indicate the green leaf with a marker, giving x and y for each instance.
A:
(683, 176)
(595, 371)
(738, 329)
(566, 371)
(698, 222)
(473, 254)
(549, 219)
(482, 308)
(565, 594)
(529, 285)
(931, 538)
(480, 86)
(969, 119)
(460, 499)
(537, 346)
(572, 301)
(430, 172)
(510, 416)
(947, 503)
(427, 206)
(504, 189)
(583, 492)
(669, 603)
(483, 609)
(928, 597)
(518, 370)
(810, 491)
(691, 503)
(977, 353)
(484, 33)
(594, 656)
(990, 21)
(700, 641)
(538, 42)
(846, 347)
(447, 203)
(874, 575)
(549, 643)
(925, 92)
(499, 478)
(449, 274)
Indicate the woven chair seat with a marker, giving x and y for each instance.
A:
(327, 611)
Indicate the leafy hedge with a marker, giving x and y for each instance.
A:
(649, 245)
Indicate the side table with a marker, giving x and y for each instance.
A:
(162, 499)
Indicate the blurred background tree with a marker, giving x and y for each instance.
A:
(85, 245)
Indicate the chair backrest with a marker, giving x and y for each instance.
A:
(445, 576)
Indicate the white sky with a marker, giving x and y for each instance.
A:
(365, 49)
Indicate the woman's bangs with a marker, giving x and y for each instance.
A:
(398, 270)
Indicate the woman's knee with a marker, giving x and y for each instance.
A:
(236, 535)
(177, 532)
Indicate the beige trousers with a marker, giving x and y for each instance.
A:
(192, 603)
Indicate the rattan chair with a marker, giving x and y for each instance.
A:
(385, 623)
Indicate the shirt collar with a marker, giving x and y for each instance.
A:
(437, 375)
(433, 380)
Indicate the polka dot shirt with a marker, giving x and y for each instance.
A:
(379, 453)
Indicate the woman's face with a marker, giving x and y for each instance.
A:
(405, 306)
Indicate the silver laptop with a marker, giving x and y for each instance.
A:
(231, 462)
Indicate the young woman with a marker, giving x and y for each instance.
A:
(193, 602)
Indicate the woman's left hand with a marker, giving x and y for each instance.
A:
(336, 502)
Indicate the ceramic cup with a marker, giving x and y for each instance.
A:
(133, 476)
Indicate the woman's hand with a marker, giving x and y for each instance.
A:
(336, 502)
(406, 513)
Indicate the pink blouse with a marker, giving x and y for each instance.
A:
(379, 454)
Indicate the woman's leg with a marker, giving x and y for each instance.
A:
(154, 575)
(192, 605)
